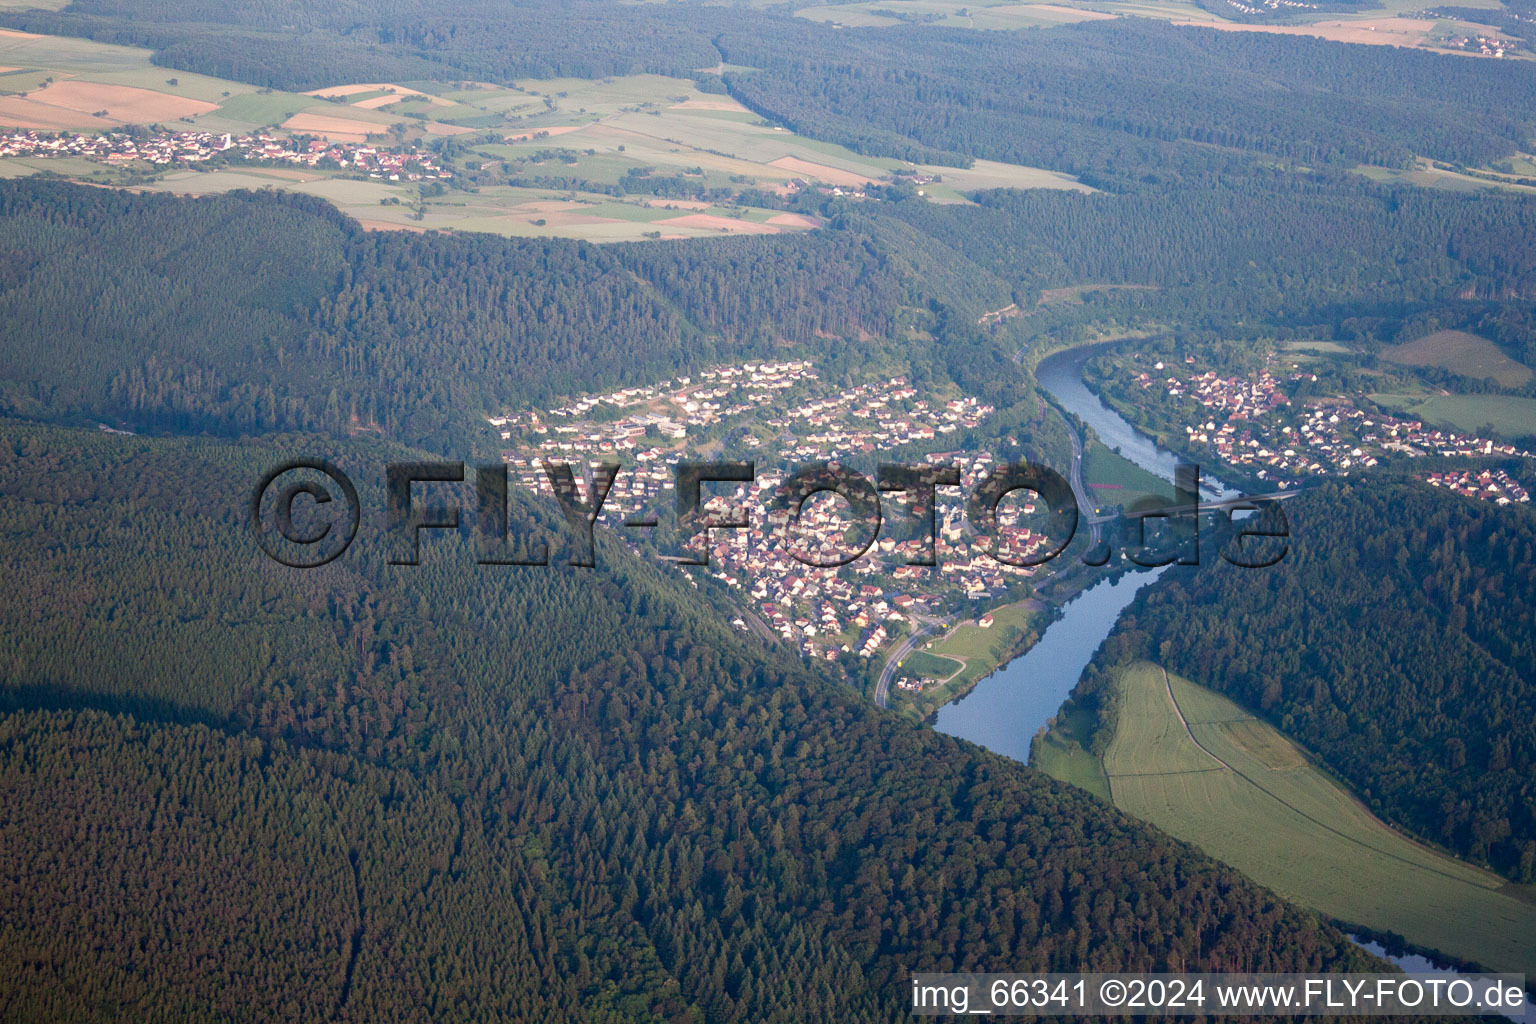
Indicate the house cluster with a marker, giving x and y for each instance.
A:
(853, 609)
(1493, 485)
(1256, 428)
(1488, 46)
(164, 149)
(1269, 6)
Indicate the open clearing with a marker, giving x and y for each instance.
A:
(1203, 769)
(1510, 416)
(929, 666)
(1462, 353)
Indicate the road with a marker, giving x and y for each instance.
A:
(882, 688)
(1085, 505)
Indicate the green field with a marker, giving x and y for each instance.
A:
(929, 666)
(1201, 768)
(1062, 753)
(1127, 481)
(1510, 416)
(974, 650)
(1462, 353)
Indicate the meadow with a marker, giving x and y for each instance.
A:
(1203, 769)
(1510, 416)
(976, 650)
(1465, 354)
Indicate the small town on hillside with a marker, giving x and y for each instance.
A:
(162, 149)
(1252, 424)
(854, 610)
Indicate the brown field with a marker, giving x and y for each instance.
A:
(438, 128)
(721, 103)
(709, 221)
(20, 112)
(792, 220)
(10, 33)
(821, 172)
(337, 129)
(559, 129)
(1462, 353)
(1372, 31)
(5, 70)
(121, 102)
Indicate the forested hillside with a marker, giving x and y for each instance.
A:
(1130, 103)
(250, 313)
(389, 793)
(1279, 245)
(1398, 643)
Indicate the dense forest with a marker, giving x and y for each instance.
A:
(1126, 104)
(250, 313)
(453, 792)
(464, 792)
(1398, 644)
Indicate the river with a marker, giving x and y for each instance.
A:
(1006, 709)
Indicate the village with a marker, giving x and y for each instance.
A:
(853, 610)
(165, 149)
(1256, 428)
(1493, 485)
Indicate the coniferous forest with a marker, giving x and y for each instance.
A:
(452, 791)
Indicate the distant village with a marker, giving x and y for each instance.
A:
(1493, 485)
(853, 610)
(1255, 427)
(163, 148)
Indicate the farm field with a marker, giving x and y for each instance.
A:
(1201, 768)
(1509, 415)
(1462, 353)
(562, 144)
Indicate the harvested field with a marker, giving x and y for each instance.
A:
(337, 129)
(1371, 31)
(121, 102)
(792, 220)
(22, 112)
(711, 103)
(821, 172)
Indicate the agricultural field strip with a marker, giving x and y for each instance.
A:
(1292, 804)
(1451, 906)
